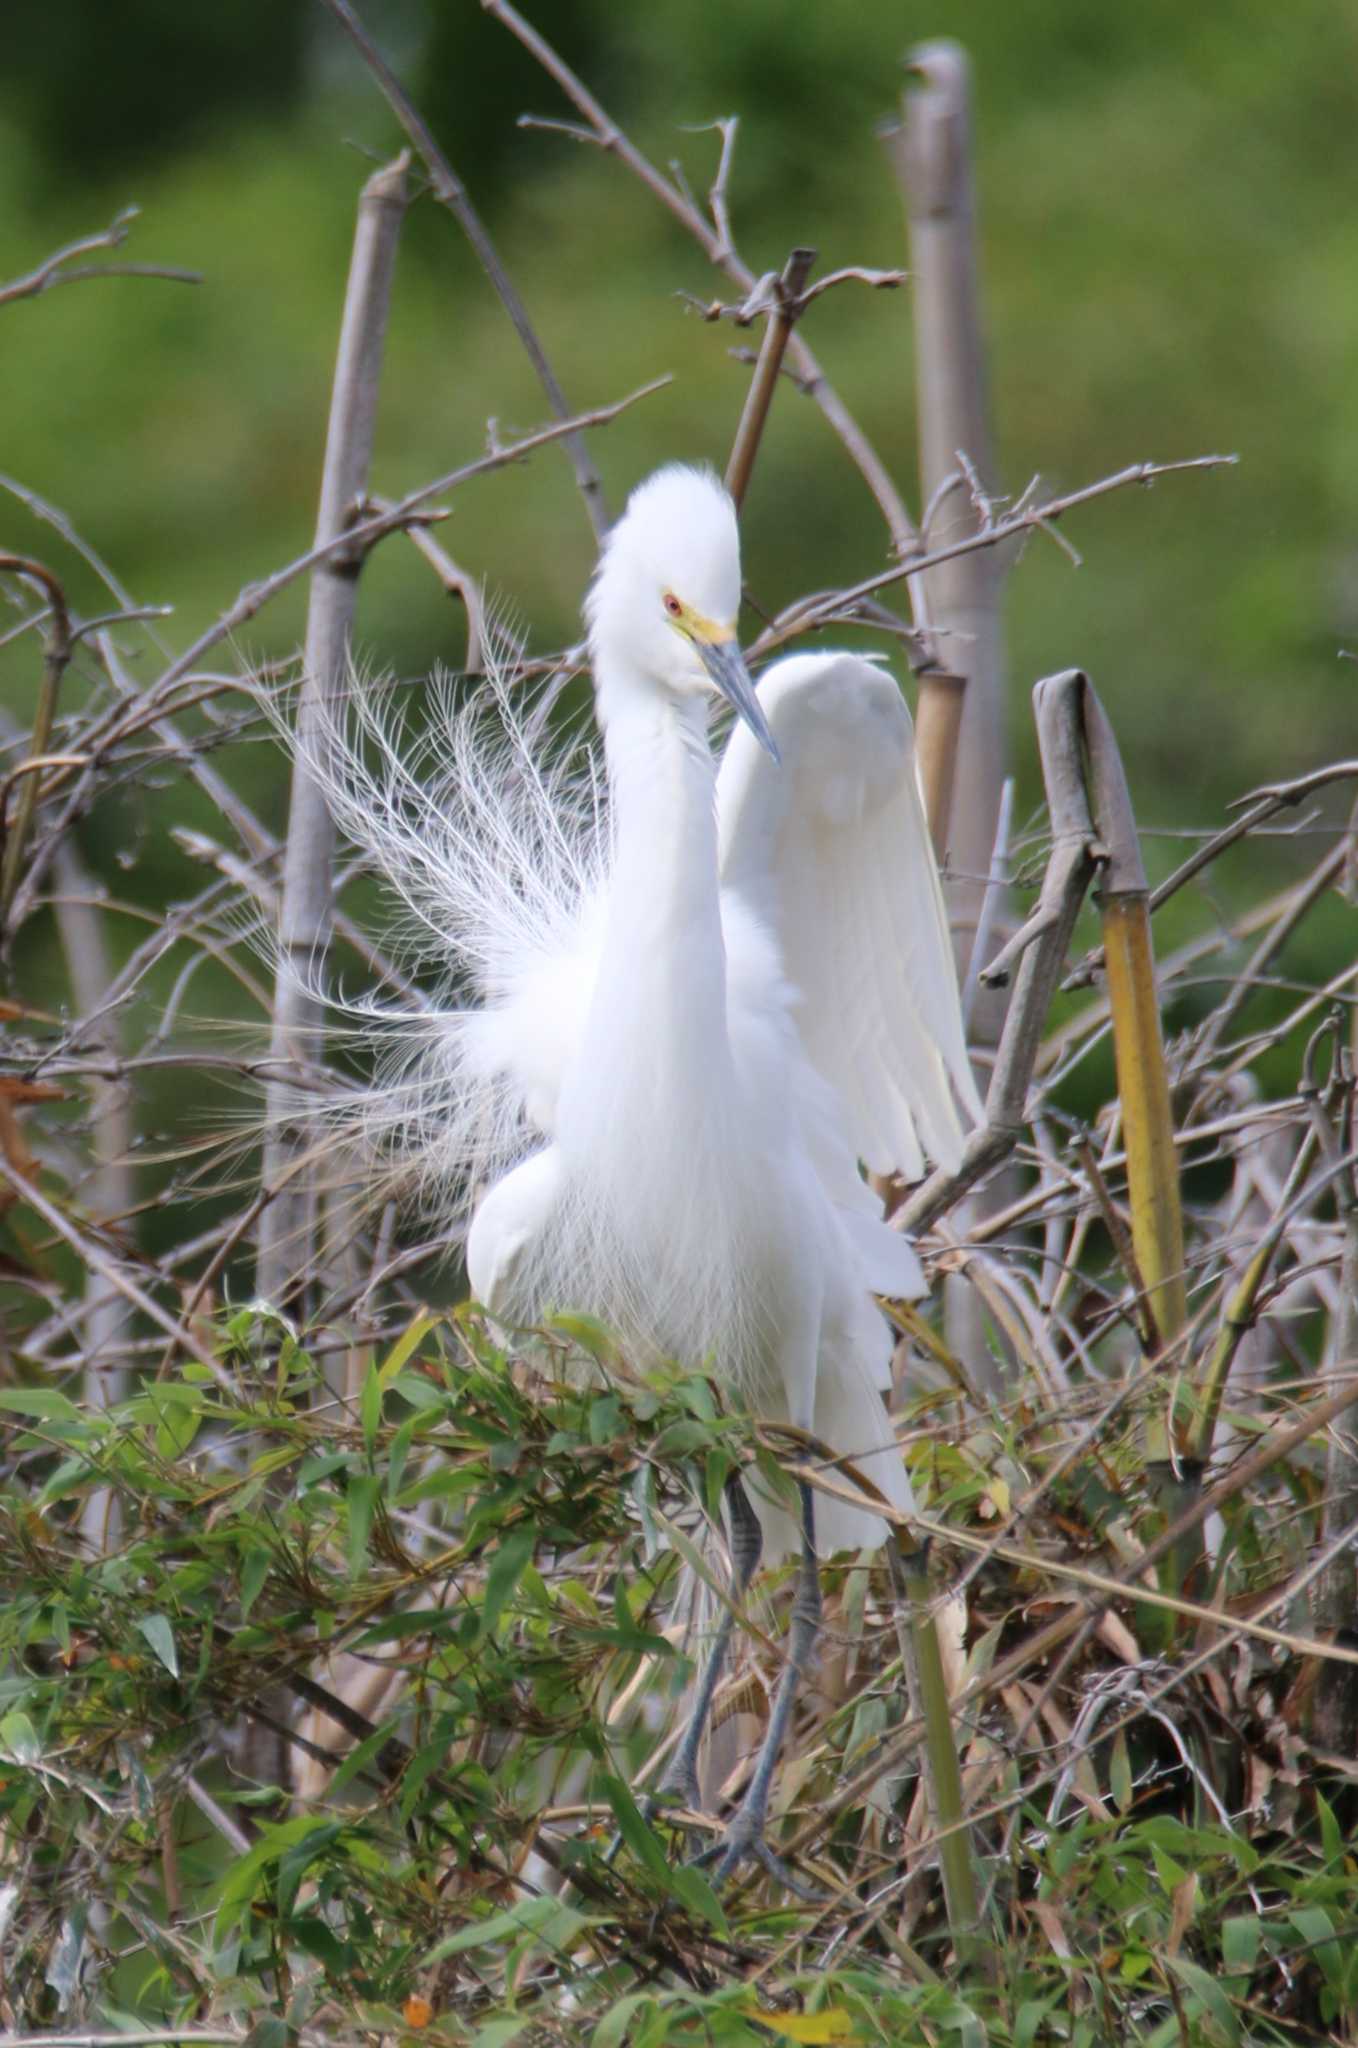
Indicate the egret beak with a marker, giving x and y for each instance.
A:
(725, 664)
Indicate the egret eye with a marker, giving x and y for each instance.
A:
(672, 605)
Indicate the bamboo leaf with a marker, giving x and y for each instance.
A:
(159, 1634)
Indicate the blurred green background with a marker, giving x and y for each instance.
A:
(1169, 212)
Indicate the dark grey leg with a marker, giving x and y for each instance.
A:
(747, 1543)
(745, 1834)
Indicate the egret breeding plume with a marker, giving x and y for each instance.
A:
(706, 993)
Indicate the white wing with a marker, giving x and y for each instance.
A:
(832, 848)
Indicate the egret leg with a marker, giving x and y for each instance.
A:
(747, 1543)
(745, 1833)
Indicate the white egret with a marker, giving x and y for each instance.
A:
(701, 1006)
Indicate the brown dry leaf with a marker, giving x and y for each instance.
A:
(1053, 1926)
(1183, 1905)
(1115, 1635)
(1259, 1783)
(15, 1089)
(17, 1155)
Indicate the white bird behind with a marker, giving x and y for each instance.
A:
(682, 1017)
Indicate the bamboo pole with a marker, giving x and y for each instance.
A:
(922, 1658)
(938, 722)
(288, 1225)
(963, 747)
(933, 157)
(1153, 1197)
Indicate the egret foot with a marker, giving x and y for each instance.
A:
(744, 1836)
(675, 1792)
(743, 1841)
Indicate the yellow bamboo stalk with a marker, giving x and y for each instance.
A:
(1147, 1121)
(1153, 1195)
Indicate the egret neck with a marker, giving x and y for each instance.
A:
(661, 991)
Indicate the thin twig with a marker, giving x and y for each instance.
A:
(93, 1255)
(1260, 805)
(450, 191)
(789, 300)
(608, 136)
(53, 270)
(365, 533)
(56, 656)
(808, 614)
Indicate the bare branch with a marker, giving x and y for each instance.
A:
(57, 655)
(54, 269)
(364, 533)
(808, 614)
(449, 190)
(458, 582)
(88, 1249)
(777, 334)
(608, 136)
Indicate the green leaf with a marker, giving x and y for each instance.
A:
(270, 2032)
(692, 1889)
(177, 1413)
(19, 1738)
(1209, 1994)
(321, 1941)
(48, 1404)
(358, 1760)
(159, 1634)
(398, 1454)
(644, 1844)
(499, 2033)
(594, 1338)
(290, 1844)
(298, 1857)
(680, 1439)
(548, 1920)
(604, 1419)
(1028, 2021)
(1240, 1940)
(1330, 1835)
(406, 1345)
(613, 2028)
(506, 1568)
(1316, 1929)
(253, 1572)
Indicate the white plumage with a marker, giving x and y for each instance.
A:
(688, 1002)
(684, 1014)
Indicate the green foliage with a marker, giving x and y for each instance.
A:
(478, 1869)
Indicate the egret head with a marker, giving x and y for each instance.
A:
(663, 605)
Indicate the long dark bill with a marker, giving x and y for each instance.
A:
(725, 664)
